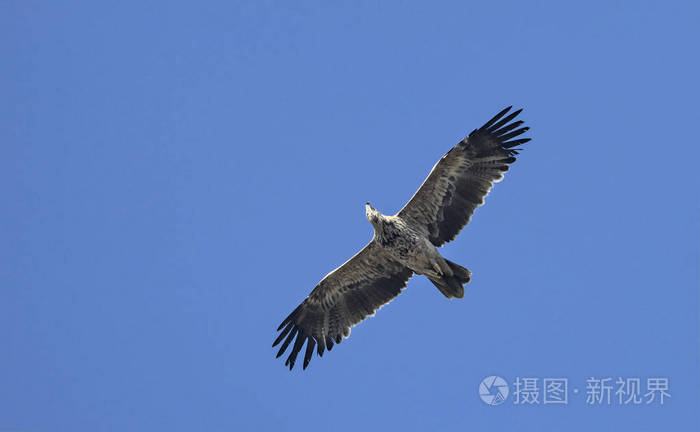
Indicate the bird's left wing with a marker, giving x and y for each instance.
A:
(458, 183)
(342, 299)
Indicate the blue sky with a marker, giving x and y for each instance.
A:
(177, 177)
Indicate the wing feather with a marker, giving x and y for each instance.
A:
(458, 183)
(345, 297)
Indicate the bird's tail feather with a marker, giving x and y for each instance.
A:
(462, 274)
(452, 286)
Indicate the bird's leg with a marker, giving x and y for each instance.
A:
(436, 267)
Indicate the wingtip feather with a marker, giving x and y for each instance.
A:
(286, 343)
(310, 345)
(283, 334)
(495, 127)
(496, 117)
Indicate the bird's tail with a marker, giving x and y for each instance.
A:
(452, 286)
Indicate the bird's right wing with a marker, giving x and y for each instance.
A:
(345, 297)
(458, 183)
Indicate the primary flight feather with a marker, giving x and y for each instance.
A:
(406, 243)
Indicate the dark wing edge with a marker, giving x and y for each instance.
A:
(344, 298)
(460, 181)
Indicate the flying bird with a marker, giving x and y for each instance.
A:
(407, 242)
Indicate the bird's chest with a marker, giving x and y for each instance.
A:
(399, 241)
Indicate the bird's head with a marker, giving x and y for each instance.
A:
(372, 214)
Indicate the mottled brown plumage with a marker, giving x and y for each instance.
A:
(406, 243)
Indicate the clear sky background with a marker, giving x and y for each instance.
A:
(175, 178)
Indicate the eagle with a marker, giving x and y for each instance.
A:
(407, 242)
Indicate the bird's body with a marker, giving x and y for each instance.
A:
(409, 247)
(406, 243)
(402, 243)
